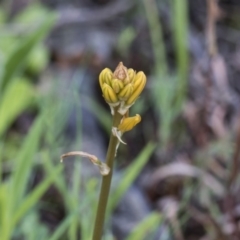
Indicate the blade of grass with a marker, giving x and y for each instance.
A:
(62, 227)
(146, 227)
(60, 183)
(16, 61)
(156, 35)
(25, 161)
(1, 160)
(180, 33)
(130, 175)
(16, 98)
(33, 197)
(5, 212)
(73, 231)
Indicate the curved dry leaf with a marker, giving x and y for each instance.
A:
(103, 167)
(186, 170)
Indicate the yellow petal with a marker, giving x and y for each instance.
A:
(105, 76)
(108, 94)
(117, 85)
(131, 74)
(138, 86)
(129, 123)
(126, 92)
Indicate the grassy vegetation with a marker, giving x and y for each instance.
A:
(30, 165)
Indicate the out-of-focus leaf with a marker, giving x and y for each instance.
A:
(34, 196)
(5, 212)
(130, 175)
(101, 114)
(3, 16)
(6, 45)
(25, 161)
(38, 59)
(165, 102)
(17, 97)
(180, 33)
(156, 34)
(30, 222)
(125, 40)
(33, 13)
(18, 58)
(62, 227)
(146, 227)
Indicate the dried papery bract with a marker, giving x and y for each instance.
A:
(121, 72)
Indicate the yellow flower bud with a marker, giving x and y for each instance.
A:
(129, 123)
(117, 85)
(131, 74)
(138, 86)
(105, 76)
(108, 94)
(126, 92)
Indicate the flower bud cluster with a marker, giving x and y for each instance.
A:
(122, 87)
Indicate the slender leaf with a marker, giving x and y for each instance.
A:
(17, 60)
(130, 175)
(146, 227)
(34, 196)
(62, 228)
(17, 97)
(5, 212)
(25, 160)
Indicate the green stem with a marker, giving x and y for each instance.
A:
(106, 183)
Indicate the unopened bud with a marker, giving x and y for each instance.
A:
(108, 94)
(126, 92)
(117, 85)
(105, 76)
(138, 86)
(131, 74)
(129, 123)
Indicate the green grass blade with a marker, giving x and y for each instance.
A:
(17, 60)
(147, 227)
(130, 175)
(75, 193)
(33, 197)
(5, 212)
(156, 35)
(62, 228)
(180, 33)
(16, 98)
(25, 161)
(60, 183)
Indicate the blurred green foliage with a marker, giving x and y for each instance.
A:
(21, 51)
(23, 54)
(19, 204)
(169, 89)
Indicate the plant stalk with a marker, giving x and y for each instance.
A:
(106, 182)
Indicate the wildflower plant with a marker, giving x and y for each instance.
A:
(120, 90)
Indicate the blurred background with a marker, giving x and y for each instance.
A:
(178, 176)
